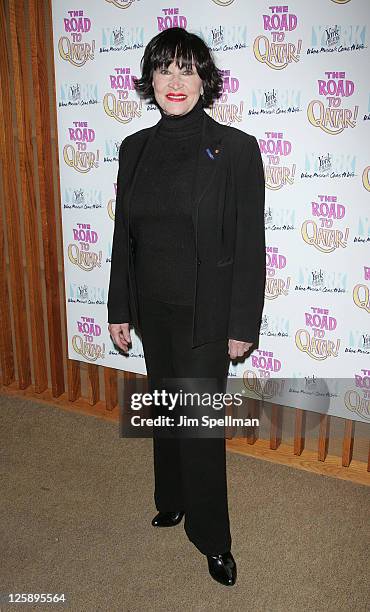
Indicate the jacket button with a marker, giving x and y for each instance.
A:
(198, 262)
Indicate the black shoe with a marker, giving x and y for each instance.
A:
(222, 568)
(167, 519)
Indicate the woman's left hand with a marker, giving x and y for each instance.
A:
(237, 348)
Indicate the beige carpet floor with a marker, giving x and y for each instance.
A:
(75, 510)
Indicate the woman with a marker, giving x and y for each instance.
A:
(188, 271)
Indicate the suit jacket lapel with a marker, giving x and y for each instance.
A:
(206, 166)
(136, 165)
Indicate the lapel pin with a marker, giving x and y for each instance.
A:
(209, 153)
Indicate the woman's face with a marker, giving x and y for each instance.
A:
(176, 90)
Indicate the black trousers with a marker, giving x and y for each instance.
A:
(189, 472)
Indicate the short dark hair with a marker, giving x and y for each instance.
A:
(184, 47)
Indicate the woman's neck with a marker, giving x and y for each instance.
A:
(182, 125)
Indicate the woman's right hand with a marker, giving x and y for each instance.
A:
(120, 333)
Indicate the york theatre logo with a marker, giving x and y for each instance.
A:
(78, 198)
(274, 101)
(221, 37)
(119, 103)
(337, 38)
(78, 94)
(333, 119)
(276, 52)
(73, 47)
(121, 38)
(319, 280)
(329, 165)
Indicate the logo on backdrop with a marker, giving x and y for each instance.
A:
(79, 198)
(122, 4)
(337, 38)
(78, 94)
(276, 52)
(333, 119)
(319, 231)
(224, 110)
(121, 103)
(273, 101)
(111, 150)
(111, 206)
(73, 47)
(275, 284)
(366, 178)
(322, 281)
(223, 2)
(358, 342)
(312, 339)
(366, 116)
(80, 251)
(282, 218)
(121, 38)
(260, 380)
(275, 325)
(358, 399)
(276, 148)
(361, 292)
(224, 37)
(81, 293)
(363, 230)
(171, 18)
(86, 341)
(329, 165)
(76, 155)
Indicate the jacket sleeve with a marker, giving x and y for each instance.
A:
(249, 269)
(118, 292)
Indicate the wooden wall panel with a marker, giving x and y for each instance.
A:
(12, 213)
(299, 432)
(349, 432)
(324, 437)
(39, 43)
(23, 116)
(276, 425)
(7, 366)
(110, 388)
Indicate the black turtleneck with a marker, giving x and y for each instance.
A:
(161, 206)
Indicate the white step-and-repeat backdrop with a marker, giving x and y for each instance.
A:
(296, 77)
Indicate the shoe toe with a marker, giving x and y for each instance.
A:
(167, 519)
(223, 568)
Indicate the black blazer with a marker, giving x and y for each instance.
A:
(228, 195)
